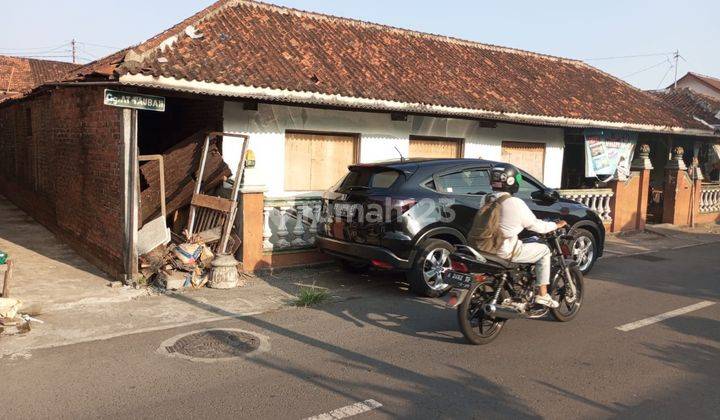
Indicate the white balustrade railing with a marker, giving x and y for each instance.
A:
(597, 199)
(710, 198)
(290, 223)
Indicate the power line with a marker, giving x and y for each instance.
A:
(664, 76)
(676, 56)
(88, 53)
(85, 57)
(34, 51)
(667, 60)
(35, 48)
(47, 51)
(45, 56)
(100, 45)
(628, 56)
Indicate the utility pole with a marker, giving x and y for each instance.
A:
(74, 59)
(676, 56)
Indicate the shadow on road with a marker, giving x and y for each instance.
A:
(700, 363)
(432, 323)
(464, 395)
(666, 271)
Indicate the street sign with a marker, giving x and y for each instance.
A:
(134, 100)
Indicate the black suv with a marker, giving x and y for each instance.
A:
(407, 215)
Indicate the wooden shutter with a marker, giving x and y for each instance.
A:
(529, 157)
(315, 161)
(425, 147)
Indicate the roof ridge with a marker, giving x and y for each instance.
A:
(222, 5)
(421, 34)
(704, 75)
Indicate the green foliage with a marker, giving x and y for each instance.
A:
(311, 296)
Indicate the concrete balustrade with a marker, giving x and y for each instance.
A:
(290, 223)
(598, 200)
(710, 198)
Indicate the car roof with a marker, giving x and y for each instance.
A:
(425, 165)
(414, 163)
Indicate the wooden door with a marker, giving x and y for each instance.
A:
(530, 157)
(315, 161)
(429, 147)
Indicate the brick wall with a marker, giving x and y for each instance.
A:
(65, 169)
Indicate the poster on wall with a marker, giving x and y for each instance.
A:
(606, 150)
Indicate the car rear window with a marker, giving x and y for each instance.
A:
(366, 178)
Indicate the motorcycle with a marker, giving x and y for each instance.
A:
(488, 290)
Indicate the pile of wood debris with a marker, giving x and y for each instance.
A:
(177, 266)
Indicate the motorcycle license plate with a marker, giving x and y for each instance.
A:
(459, 280)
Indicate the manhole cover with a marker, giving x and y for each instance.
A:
(648, 257)
(215, 345)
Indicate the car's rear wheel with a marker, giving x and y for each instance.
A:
(425, 277)
(584, 249)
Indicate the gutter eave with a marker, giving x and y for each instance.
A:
(314, 98)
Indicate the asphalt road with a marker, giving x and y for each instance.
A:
(407, 355)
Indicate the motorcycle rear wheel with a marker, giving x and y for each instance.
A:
(474, 326)
(567, 311)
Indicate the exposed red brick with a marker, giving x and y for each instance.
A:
(66, 170)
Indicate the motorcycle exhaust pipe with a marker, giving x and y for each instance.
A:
(504, 312)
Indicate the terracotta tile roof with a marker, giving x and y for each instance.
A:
(693, 104)
(19, 75)
(289, 55)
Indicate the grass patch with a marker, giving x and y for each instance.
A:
(311, 296)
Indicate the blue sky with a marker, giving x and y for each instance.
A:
(574, 29)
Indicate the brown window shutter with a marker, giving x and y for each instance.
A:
(527, 156)
(315, 161)
(435, 147)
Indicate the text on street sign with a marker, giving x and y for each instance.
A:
(134, 100)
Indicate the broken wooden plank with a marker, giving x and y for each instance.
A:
(181, 165)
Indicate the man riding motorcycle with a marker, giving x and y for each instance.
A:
(499, 233)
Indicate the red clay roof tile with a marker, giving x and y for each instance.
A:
(19, 75)
(693, 104)
(246, 43)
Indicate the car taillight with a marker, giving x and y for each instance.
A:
(458, 266)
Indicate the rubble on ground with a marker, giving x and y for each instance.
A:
(177, 266)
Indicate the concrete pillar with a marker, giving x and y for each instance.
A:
(252, 202)
(630, 197)
(677, 191)
(697, 178)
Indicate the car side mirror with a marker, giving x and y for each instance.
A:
(547, 195)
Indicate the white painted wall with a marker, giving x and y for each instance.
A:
(379, 136)
(698, 86)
